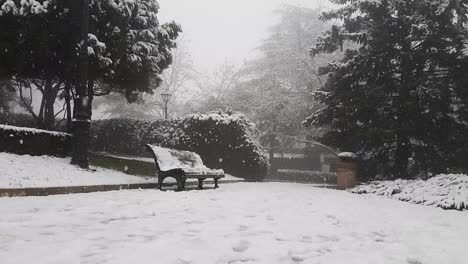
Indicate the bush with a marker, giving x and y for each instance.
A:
(21, 120)
(223, 140)
(20, 140)
(303, 176)
(445, 191)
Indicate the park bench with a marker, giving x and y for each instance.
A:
(181, 165)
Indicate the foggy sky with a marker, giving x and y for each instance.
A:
(220, 30)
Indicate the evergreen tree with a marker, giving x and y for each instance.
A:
(128, 49)
(116, 44)
(399, 100)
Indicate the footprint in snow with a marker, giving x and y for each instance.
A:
(35, 210)
(378, 237)
(241, 260)
(149, 238)
(325, 238)
(281, 238)
(307, 239)
(413, 261)
(297, 258)
(302, 253)
(47, 233)
(242, 228)
(241, 246)
(193, 222)
(184, 261)
(194, 230)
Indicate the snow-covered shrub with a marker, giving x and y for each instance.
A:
(35, 142)
(305, 176)
(25, 7)
(224, 140)
(444, 191)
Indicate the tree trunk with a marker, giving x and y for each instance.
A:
(403, 151)
(68, 106)
(49, 102)
(40, 117)
(402, 156)
(90, 97)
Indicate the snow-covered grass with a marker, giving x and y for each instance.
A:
(239, 223)
(17, 171)
(444, 191)
(43, 171)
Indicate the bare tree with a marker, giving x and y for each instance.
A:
(275, 88)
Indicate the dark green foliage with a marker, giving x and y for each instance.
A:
(34, 142)
(127, 50)
(20, 120)
(400, 99)
(226, 141)
(137, 47)
(129, 166)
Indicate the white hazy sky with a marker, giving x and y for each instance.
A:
(220, 30)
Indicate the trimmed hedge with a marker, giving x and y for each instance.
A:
(21, 140)
(20, 120)
(223, 140)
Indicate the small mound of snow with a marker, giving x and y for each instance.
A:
(347, 155)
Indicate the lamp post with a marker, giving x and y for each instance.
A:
(166, 97)
(82, 105)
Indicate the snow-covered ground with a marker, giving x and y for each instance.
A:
(445, 191)
(26, 171)
(29, 172)
(239, 223)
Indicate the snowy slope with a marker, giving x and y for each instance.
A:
(27, 130)
(444, 191)
(241, 223)
(26, 171)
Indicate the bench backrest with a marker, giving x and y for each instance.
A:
(168, 159)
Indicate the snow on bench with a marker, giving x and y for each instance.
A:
(182, 165)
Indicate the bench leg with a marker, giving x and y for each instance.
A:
(216, 183)
(160, 182)
(180, 184)
(200, 184)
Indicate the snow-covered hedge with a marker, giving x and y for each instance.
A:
(303, 176)
(21, 140)
(21, 120)
(226, 141)
(444, 191)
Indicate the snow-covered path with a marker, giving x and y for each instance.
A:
(239, 223)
